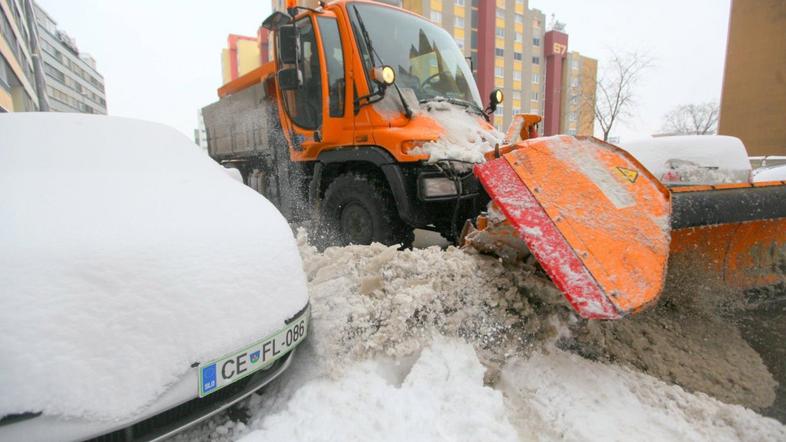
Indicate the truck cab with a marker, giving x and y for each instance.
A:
(367, 121)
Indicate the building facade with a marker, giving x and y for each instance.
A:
(753, 101)
(244, 54)
(73, 84)
(17, 83)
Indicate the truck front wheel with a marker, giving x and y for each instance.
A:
(358, 209)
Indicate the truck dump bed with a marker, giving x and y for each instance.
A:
(238, 125)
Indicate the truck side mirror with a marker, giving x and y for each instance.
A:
(287, 44)
(289, 79)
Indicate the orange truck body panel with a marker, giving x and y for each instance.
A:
(601, 226)
(394, 133)
(739, 256)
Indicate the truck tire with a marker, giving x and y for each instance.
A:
(358, 209)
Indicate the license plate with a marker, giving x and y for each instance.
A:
(217, 374)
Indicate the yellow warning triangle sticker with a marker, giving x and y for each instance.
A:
(629, 174)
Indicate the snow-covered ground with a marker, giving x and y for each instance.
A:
(436, 344)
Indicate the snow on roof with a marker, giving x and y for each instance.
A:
(126, 255)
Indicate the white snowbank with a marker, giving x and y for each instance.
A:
(561, 396)
(466, 136)
(375, 367)
(126, 255)
(693, 159)
(442, 397)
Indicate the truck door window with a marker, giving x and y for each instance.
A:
(334, 56)
(306, 108)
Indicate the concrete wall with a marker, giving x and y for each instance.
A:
(753, 104)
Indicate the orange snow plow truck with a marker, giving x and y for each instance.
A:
(368, 123)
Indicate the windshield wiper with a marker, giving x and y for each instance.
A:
(457, 101)
(372, 53)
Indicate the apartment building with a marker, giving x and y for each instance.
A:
(73, 84)
(579, 80)
(17, 83)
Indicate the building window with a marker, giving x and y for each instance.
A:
(499, 52)
(534, 110)
(459, 2)
(499, 72)
(436, 17)
(516, 76)
(535, 78)
(535, 60)
(518, 56)
(516, 96)
(519, 19)
(500, 32)
(498, 111)
(519, 37)
(536, 24)
(572, 116)
(500, 13)
(535, 96)
(459, 22)
(536, 41)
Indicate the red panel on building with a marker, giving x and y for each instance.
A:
(487, 11)
(556, 51)
(263, 37)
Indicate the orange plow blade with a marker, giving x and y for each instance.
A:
(603, 228)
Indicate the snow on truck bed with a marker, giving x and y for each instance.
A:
(126, 255)
(433, 345)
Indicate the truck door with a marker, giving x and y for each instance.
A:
(338, 124)
(302, 107)
(315, 112)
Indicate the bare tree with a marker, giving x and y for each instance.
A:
(615, 96)
(692, 119)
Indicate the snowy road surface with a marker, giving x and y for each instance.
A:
(438, 344)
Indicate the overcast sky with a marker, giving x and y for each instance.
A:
(161, 58)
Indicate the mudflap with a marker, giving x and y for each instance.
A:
(594, 218)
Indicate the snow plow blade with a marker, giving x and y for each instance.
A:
(603, 228)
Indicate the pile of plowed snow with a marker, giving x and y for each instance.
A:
(438, 344)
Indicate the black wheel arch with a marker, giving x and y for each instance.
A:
(371, 160)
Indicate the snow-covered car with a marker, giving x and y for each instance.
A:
(693, 159)
(142, 288)
(770, 173)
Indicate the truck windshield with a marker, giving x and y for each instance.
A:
(425, 57)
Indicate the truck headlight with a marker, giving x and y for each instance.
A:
(437, 187)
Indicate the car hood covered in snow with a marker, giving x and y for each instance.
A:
(126, 255)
